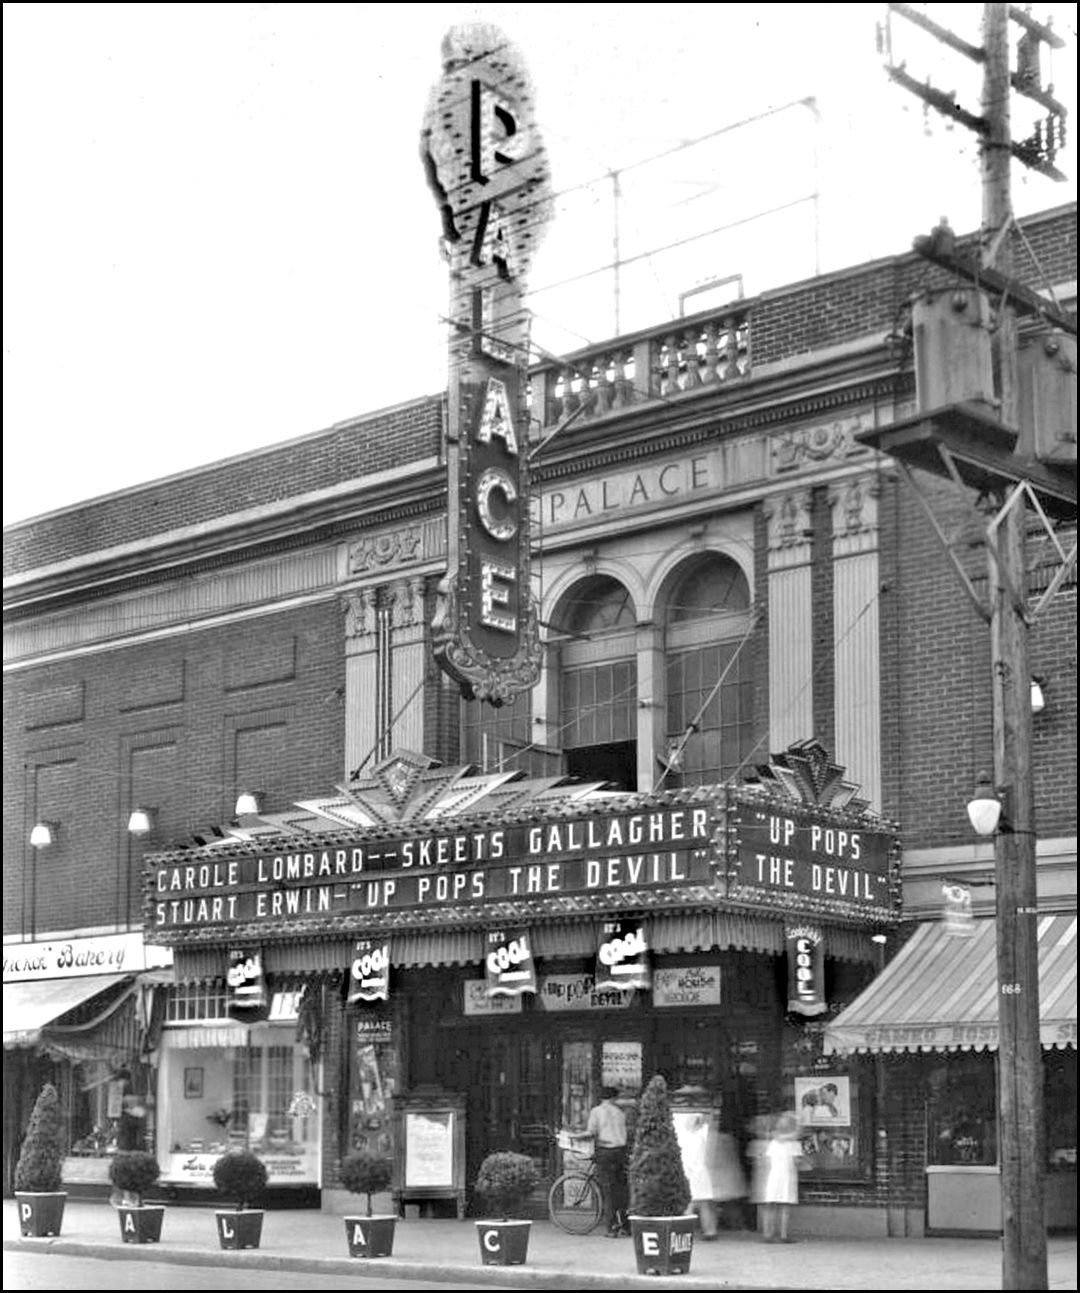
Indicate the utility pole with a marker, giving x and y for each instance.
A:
(967, 447)
(1021, 1129)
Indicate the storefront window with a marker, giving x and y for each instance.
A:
(961, 1112)
(833, 1101)
(225, 1085)
(577, 1084)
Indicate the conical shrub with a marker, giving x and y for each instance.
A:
(41, 1158)
(658, 1184)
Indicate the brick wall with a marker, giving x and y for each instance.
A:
(937, 688)
(854, 303)
(359, 448)
(179, 725)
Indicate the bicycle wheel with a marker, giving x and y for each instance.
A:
(574, 1203)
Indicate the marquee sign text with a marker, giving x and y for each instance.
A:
(648, 850)
(792, 850)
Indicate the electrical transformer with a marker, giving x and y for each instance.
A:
(1047, 399)
(953, 365)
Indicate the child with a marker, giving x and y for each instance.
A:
(781, 1188)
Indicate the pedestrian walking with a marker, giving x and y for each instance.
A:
(694, 1144)
(607, 1126)
(728, 1180)
(781, 1188)
(760, 1131)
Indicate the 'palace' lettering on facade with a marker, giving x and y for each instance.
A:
(594, 498)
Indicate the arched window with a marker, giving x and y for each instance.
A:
(709, 679)
(596, 629)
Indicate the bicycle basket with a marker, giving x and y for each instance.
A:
(577, 1142)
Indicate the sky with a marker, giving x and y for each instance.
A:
(218, 235)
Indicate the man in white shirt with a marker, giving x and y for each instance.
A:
(607, 1126)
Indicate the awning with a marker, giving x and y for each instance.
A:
(31, 1006)
(940, 993)
(670, 932)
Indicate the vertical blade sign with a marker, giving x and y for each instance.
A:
(488, 169)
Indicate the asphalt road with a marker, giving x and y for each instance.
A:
(55, 1271)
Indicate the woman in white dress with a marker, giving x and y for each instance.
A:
(781, 1186)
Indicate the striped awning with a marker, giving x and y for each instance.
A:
(31, 1006)
(670, 932)
(940, 993)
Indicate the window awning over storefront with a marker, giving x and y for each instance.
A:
(694, 931)
(30, 1007)
(940, 993)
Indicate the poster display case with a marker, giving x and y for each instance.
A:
(429, 1149)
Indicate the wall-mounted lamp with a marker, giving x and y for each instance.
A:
(986, 808)
(43, 834)
(879, 938)
(249, 803)
(141, 821)
(1038, 695)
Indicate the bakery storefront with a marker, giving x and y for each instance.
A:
(509, 947)
(931, 1017)
(85, 1015)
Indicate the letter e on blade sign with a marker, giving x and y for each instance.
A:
(487, 167)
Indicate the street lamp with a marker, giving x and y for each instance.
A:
(985, 808)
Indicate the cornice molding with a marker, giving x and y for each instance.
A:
(421, 493)
(709, 423)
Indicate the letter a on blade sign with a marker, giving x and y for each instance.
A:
(487, 168)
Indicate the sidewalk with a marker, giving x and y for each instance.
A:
(448, 1250)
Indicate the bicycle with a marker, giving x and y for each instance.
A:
(576, 1198)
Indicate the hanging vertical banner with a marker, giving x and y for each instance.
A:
(806, 971)
(487, 167)
(509, 966)
(246, 982)
(369, 976)
(622, 957)
(959, 921)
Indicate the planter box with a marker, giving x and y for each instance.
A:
(239, 1229)
(40, 1214)
(370, 1236)
(662, 1245)
(503, 1243)
(141, 1225)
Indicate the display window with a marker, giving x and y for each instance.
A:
(833, 1101)
(226, 1085)
(961, 1112)
(1060, 1104)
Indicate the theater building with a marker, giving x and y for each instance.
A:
(744, 624)
(513, 945)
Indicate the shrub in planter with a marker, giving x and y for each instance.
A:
(39, 1197)
(133, 1172)
(659, 1190)
(505, 1183)
(240, 1175)
(366, 1172)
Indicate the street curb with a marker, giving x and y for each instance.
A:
(369, 1268)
